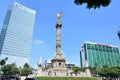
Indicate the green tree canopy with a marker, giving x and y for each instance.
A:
(3, 61)
(93, 70)
(26, 65)
(112, 72)
(9, 70)
(26, 70)
(76, 69)
(93, 3)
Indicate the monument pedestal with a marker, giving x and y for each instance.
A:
(87, 70)
(88, 74)
(39, 72)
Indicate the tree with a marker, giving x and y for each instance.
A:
(9, 70)
(93, 70)
(76, 69)
(104, 72)
(96, 65)
(115, 72)
(118, 61)
(6, 58)
(93, 3)
(112, 72)
(3, 61)
(26, 65)
(26, 70)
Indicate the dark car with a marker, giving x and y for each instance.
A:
(30, 79)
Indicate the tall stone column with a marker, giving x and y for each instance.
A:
(58, 38)
(58, 61)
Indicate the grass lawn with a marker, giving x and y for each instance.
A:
(65, 78)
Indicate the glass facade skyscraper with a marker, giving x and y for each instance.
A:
(16, 34)
(99, 55)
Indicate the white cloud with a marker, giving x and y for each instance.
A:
(38, 41)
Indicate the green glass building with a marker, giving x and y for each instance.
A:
(99, 55)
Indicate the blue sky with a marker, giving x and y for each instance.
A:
(79, 25)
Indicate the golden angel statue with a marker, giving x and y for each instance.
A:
(59, 16)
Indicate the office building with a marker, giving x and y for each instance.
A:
(16, 34)
(99, 54)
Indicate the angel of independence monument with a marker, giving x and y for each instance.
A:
(58, 62)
